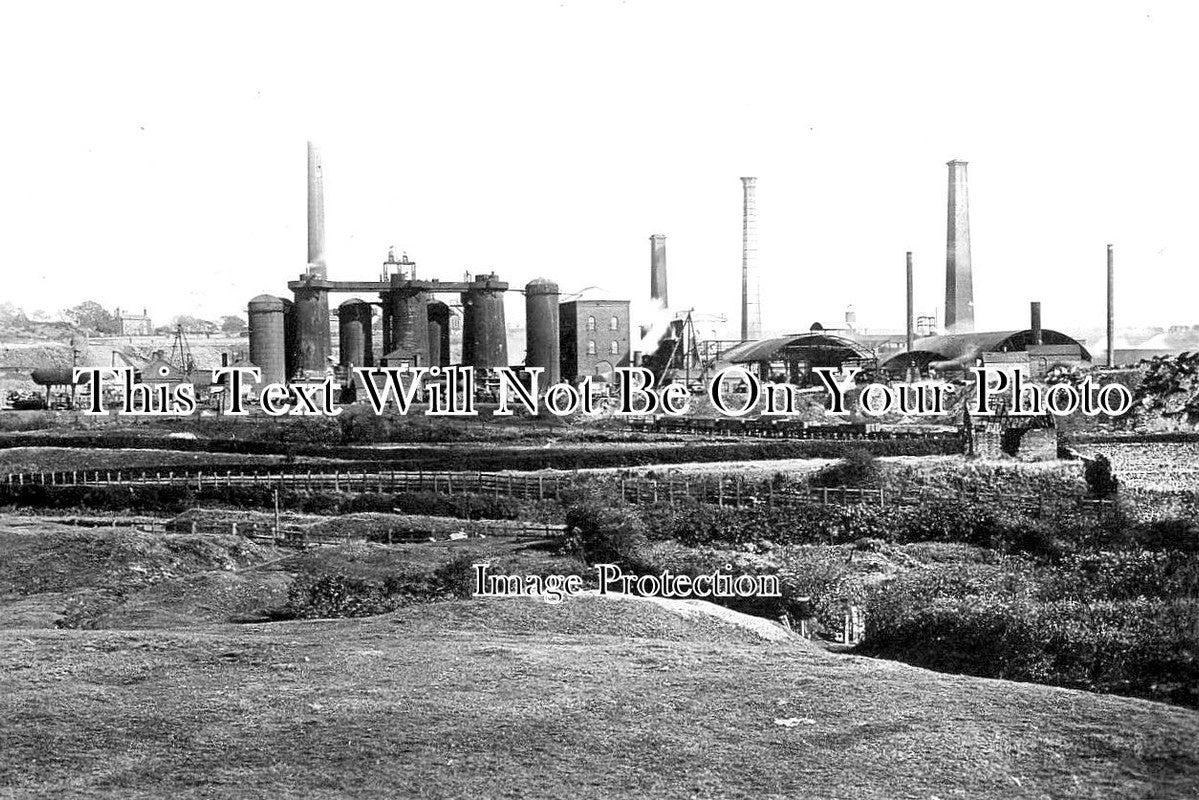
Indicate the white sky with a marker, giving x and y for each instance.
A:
(155, 157)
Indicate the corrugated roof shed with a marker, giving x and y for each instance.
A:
(963, 349)
(766, 349)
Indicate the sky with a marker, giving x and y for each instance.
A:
(156, 152)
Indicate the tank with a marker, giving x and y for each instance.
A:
(268, 342)
(56, 376)
(439, 334)
(484, 333)
(312, 329)
(410, 326)
(354, 334)
(541, 329)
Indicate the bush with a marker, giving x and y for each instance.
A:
(1170, 533)
(1104, 622)
(338, 595)
(607, 534)
(325, 596)
(456, 578)
(857, 468)
(1098, 473)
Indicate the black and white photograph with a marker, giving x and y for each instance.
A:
(599, 399)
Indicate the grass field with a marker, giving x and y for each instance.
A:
(52, 459)
(517, 698)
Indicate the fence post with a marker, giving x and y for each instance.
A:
(720, 491)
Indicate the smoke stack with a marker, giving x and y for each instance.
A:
(959, 281)
(911, 309)
(1034, 312)
(657, 271)
(751, 307)
(1111, 307)
(316, 213)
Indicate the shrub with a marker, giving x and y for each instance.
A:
(1098, 473)
(1110, 622)
(607, 534)
(456, 578)
(1169, 533)
(325, 596)
(857, 468)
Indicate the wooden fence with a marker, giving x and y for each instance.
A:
(723, 491)
(363, 480)
(737, 492)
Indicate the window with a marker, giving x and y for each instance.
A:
(614, 325)
(591, 323)
(590, 347)
(614, 348)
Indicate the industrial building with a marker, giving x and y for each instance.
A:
(594, 339)
(792, 358)
(955, 352)
(292, 339)
(592, 336)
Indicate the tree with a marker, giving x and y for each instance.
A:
(91, 316)
(232, 325)
(194, 324)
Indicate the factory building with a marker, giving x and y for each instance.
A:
(792, 358)
(1037, 350)
(594, 337)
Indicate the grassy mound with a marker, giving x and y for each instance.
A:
(515, 698)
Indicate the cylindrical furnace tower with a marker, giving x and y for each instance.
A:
(385, 324)
(541, 329)
(268, 341)
(354, 333)
(484, 333)
(312, 328)
(439, 334)
(291, 339)
(409, 323)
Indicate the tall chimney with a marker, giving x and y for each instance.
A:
(657, 271)
(316, 213)
(910, 307)
(751, 306)
(1034, 313)
(959, 282)
(1111, 307)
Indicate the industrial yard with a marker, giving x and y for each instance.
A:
(257, 601)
